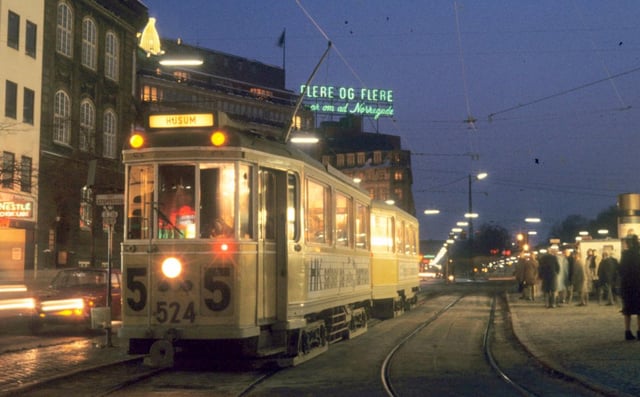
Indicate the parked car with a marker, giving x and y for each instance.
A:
(73, 293)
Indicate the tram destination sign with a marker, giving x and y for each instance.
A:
(181, 120)
(368, 102)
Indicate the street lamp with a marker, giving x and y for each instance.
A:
(470, 215)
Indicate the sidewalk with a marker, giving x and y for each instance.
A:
(585, 342)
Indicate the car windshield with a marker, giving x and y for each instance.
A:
(76, 278)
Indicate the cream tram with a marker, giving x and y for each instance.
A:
(237, 245)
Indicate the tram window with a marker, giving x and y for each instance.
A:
(139, 198)
(400, 241)
(381, 233)
(292, 207)
(176, 206)
(361, 226)
(315, 213)
(343, 227)
(245, 209)
(268, 204)
(217, 198)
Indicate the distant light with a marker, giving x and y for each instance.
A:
(181, 62)
(532, 220)
(583, 233)
(305, 139)
(357, 180)
(431, 212)
(456, 230)
(390, 202)
(471, 215)
(482, 175)
(462, 224)
(603, 231)
(532, 233)
(450, 241)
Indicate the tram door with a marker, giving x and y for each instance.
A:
(272, 242)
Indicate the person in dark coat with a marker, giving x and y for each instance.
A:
(548, 270)
(607, 273)
(629, 271)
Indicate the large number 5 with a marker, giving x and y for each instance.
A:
(134, 286)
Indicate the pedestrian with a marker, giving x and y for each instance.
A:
(563, 275)
(518, 273)
(590, 263)
(629, 271)
(579, 281)
(569, 254)
(530, 276)
(548, 270)
(607, 273)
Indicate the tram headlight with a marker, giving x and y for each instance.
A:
(171, 267)
(218, 138)
(136, 141)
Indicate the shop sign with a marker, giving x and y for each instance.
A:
(16, 209)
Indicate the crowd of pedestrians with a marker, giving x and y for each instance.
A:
(563, 277)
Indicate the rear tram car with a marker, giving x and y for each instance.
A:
(237, 245)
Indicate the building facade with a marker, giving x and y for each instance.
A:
(377, 161)
(21, 30)
(87, 105)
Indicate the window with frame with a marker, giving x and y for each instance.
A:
(381, 233)
(11, 99)
(89, 44)
(351, 159)
(26, 164)
(111, 59)
(292, 207)
(8, 169)
(151, 94)
(315, 211)
(13, 30)
(340, 160)
(28, 102)
(343, 220)
(377, 157)
(362, 225)
(217, 200)
(64, 30)
(61, 118)
(398, 175)
(31, 38)
(87, 126)
(109, 126)
(360, 158)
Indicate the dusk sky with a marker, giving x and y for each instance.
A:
(554, 87)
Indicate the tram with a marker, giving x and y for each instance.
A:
(240, 245)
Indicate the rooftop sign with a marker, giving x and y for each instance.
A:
(368, 102)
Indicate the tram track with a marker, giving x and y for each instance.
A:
(521, 372)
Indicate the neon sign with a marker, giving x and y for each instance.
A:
(372, 102)
(14, 209)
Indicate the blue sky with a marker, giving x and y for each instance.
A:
(553, 85)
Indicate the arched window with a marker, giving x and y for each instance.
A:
(112, 58)
(87, 137)
(109, 134)
(64, 31)
(89, 43)
(62, 118)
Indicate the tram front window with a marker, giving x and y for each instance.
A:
(176, 202)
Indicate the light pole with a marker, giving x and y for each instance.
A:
(470, 215)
